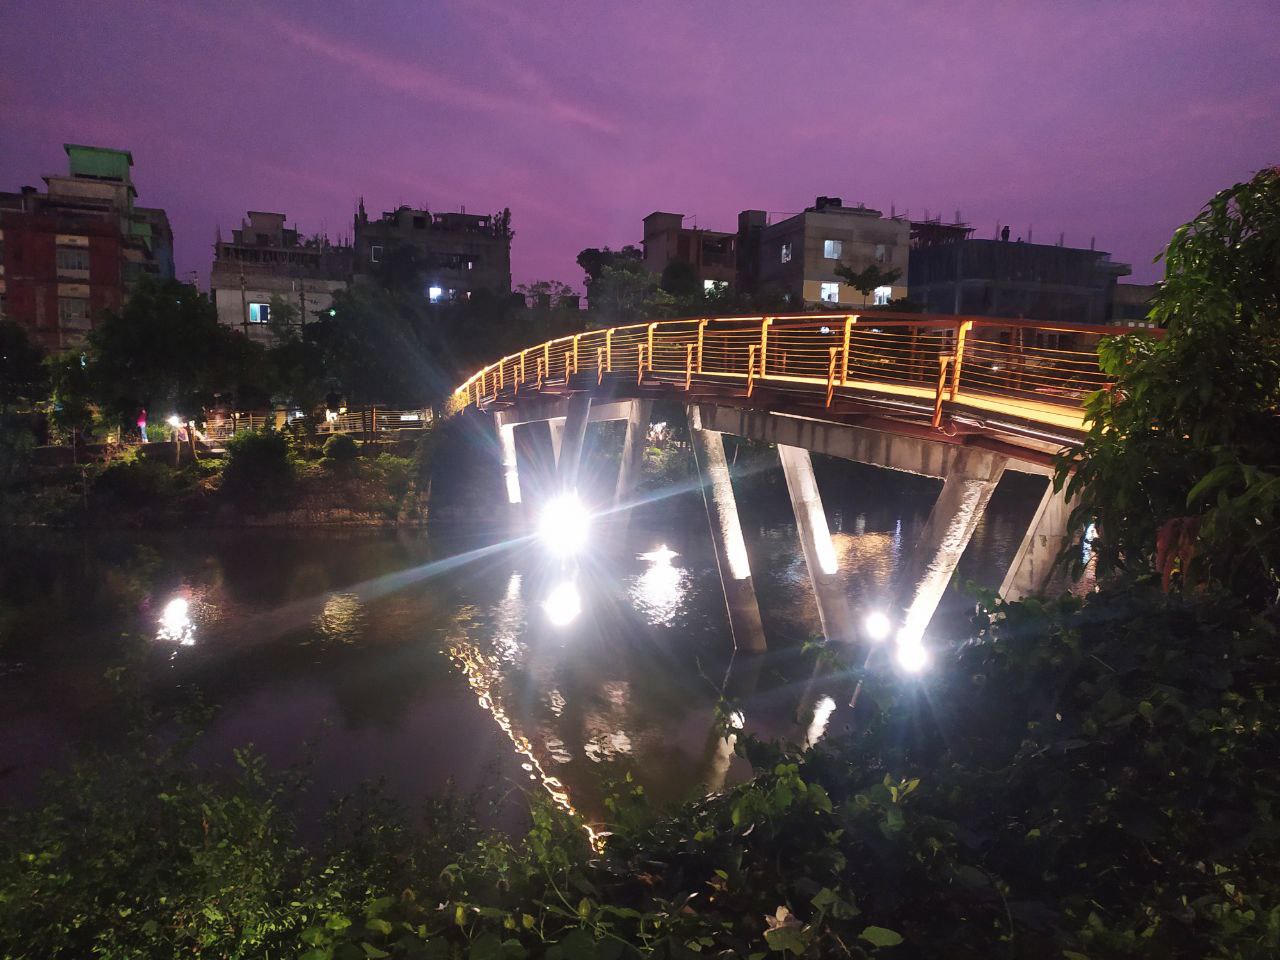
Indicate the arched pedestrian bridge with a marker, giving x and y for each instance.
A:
(957, 398)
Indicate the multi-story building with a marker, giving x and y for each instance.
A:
(1131, 302)
(462, 253)
(952, 272)
(798, 256)
(711, 255)
(266, 262)
(74, 251)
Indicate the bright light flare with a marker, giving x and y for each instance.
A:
(563, 604)
(878, 625)
(174, 421)
(564, 525)
(175, 623)
(912, 656)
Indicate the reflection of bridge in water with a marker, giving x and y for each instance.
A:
(961, 399)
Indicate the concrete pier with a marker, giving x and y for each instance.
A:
(1041, 545)
(815, 539)
(569, 452)
(726, 534)
(632, 450)
(968, 482)
(507, 447)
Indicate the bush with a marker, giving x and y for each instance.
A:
(258, 459)
(340, 452)
(138, 481)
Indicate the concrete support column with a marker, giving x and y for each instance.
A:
(815, 538)
(632, 450)
(970, 478)
(1041, 545)
(726, 534)
(556, 427)
(507, 446)
(569, 453)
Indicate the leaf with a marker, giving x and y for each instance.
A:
(487, 946)
(378, 925)
(578, 945)
(881, 936)
(371, 951)
(785, 938)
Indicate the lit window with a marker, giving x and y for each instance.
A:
(434, 294)
(259, 313)
(375, 254)
(714, 286)
(73, 312)
(73, 258)
(831, 249)
(831, 293)
(882, 296)
(882, 253)
(786, 253)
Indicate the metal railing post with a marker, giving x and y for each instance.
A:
(751, 367)
(961, 333)
(653, 326)
(599, 365)
(575, 352)
(567, 371)
(540, 368)
(688, 366)
(608, 349)
(702, 329)
(639, 363)
(849, 321)
(831, 374)
(943, 361)
(764, 346)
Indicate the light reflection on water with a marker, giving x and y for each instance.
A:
(623, 682)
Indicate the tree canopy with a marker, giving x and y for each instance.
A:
(1181, 465)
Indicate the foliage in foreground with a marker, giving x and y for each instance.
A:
(1181, 465)
(1087, 780)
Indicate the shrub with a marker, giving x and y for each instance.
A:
(340, 451)
(258, 459)
(138, 480)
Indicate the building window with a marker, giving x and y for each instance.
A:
(714, 286)
(375, 254)
(882, 253)
(73, 312)
(435, 294)
(831, 249)
(259, 313)
(830, 292)
(882, 296)
(73, 258)
(786, 253)
(470, 263)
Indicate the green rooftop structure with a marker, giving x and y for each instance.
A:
(100, 163)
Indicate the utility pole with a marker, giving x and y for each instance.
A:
(244, 304)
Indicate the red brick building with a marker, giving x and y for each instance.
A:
(70, 253)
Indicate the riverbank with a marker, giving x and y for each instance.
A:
(293, 484)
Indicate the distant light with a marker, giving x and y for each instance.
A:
(435, 293)
(824, 330)
(564, 525)
(333, 312)
(563, 604)
(736, 720)
(174, 421)
(912, 657)
(878, 626)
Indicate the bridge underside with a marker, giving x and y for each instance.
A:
(969, 454)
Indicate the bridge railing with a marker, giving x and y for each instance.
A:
(1037, 370)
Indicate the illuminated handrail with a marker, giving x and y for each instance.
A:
(1034, 370)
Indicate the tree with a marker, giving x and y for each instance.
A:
(680, 280)
(284, 319)
(594, 260)
(23, 378)
(866, 281)
(628, 293)
(1181, 464)
(166, 351)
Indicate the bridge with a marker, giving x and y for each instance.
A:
(958, 398)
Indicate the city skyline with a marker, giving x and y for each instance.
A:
(1066, 122)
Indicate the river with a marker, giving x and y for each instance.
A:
(433, 660)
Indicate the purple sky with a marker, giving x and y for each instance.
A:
(1110, 119)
